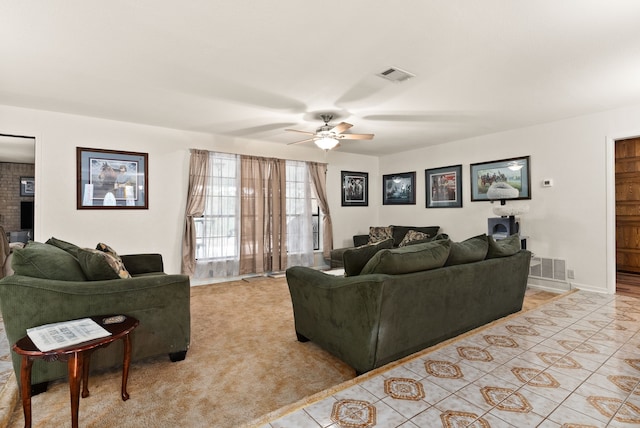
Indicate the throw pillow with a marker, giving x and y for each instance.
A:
(413, 235)
(377, 234)
(468, 251)
(354, 259)
(410, 258)
(67, 246)
(400, 231)
(120, 269)
(98, 265)
(504, 247)
(46, 261)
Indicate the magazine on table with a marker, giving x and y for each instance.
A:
(63, 334)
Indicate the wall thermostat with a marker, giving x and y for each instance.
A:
(547, 182)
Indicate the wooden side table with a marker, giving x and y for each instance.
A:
(78, 358)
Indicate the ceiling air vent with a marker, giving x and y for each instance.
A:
(396, 75)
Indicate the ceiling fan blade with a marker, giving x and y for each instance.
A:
(341, 127)
(301, 141)
(356, 136)
(302, 132)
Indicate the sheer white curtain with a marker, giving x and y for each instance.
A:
(218, 230)
(299, 219)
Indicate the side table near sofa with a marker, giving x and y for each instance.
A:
(78, 359)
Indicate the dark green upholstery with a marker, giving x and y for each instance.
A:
(468, 251)
(356, 258)
(371, 320)
(412, 258)
(159, 301)
(503, 247)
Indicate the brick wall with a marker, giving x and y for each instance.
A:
(10, 198)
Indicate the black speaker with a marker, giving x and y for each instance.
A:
(26, 215)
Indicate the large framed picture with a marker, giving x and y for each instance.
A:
(444, 187)
(515, 172)
(355, 189)
(111, 179)
(399, 189)
(27, 186)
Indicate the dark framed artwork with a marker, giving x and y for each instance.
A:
(515, 172)
(355, 189)
(444, 187)
(27, 186)
(111, 179)
(399, 189)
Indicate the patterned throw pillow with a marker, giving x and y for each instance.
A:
(377, 234)
(114, 260)
(413, 235)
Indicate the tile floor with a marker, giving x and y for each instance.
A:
(574, 362)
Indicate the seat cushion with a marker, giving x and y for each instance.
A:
(98, 265)
(468, 251)
(46, 261)
(354, 259)
(504, 247)
(410, 258)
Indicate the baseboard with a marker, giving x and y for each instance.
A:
(548, 285)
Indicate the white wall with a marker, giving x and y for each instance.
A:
(158, 229)
(570, 220)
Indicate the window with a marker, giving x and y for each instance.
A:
(299, 215)
(217, 231)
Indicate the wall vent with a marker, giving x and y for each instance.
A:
(396, 75)
(555, 269)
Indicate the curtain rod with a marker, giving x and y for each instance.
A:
(191, 150)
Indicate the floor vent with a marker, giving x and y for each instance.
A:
(396, 75)
(555, 269)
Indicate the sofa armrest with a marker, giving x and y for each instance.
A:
(340, 314)
(359, 240)
(138, 264)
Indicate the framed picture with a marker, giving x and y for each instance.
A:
(355, 189)
(111, 179)
(27, 186)
(399, 189)
(444, 187)
(515, 172)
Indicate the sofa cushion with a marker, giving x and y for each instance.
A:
(504, 247)
(98, 265)
(46, 261)
(67, 246)
(377, 234)
(118, 265)
(400, 231)
(410, 258)
(412, 236)
(468, 251)
(354, 259)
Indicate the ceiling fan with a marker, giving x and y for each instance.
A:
(327, 137)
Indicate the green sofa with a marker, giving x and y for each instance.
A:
(407, 299)
(61, 282)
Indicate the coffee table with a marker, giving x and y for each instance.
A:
(78, 358)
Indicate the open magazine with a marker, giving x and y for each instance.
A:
(64, 334)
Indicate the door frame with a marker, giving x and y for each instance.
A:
(610, 168)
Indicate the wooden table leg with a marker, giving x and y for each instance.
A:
(25, 388)
(86, 361)
(125, 366)
(75, 375)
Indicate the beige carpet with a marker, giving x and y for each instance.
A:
(244, 363)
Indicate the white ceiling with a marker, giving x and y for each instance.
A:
(253, 68)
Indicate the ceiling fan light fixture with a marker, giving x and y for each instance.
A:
(326, 143)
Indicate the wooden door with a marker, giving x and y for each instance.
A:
(627, 159)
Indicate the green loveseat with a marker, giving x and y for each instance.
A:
(407, 299)
(50, 284)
